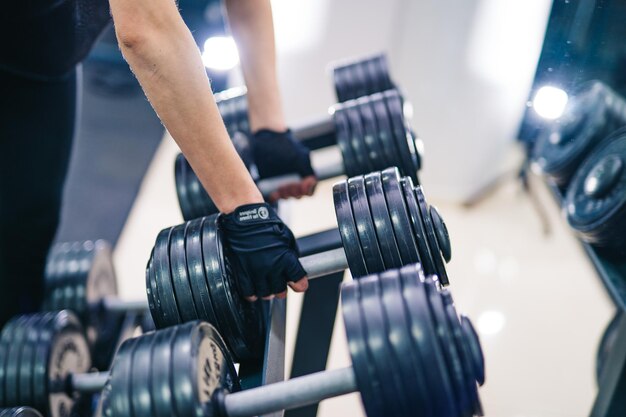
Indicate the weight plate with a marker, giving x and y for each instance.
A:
(365, 225)
(5, 342)
(383, 73)
(161, 378)
(342, 83)
(586, 122)
(364, 135)
(382, 221)
(467, 367)
(197, 278)
(164, 285)
(431, 237)
(357, 138)
(371, 72)
(342, 131)
(473, 342)
(19, 412)
(180, 279)
(152, 291)
(400, 340)
(241, 322)
(385, 131)
(40, 365)
(360, 85)
(347, 229)
(140, 370)
(441, 233)
(404, 140)
(424, 332)
(243, 123)
(399, 217)
(203, 203)
(184, 201)
(121, 381)
(595, 201)
(447, 345)
(68, 354)
(51, 275)
(417, 226)
(201, 365)
(370, 133)
(12, 375)
(27, 360)
(370, 123)
(368, 381)
(377, 332)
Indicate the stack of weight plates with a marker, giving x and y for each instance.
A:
(595, 202)
(594, 111)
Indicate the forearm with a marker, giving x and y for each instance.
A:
(165, 59)
(252, 27)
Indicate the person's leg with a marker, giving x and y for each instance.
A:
(36, 130)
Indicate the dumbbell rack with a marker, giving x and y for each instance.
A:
(611, 398)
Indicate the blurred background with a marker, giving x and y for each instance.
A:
(483, 77)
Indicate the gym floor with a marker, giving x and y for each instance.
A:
(540, 308)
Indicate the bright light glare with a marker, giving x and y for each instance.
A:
(220, 53)
(490, 322)
(550, 102)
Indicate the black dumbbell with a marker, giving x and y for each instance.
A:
(384, 222)
(365, 76)
(371, 133)
(19, 412)
(595, 202)
(411, 355)
(45, 359)
(80, 276)
(593, 112)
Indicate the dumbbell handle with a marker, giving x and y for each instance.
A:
(294, 393)
(324, 168)
(285, 395)
(317, 265)
(324, 263)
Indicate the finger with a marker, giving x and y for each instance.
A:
(309, 183)
(262, 287)
(246, 286)
(278, 283)
(282, 295)
(274, 197)
(299, 286)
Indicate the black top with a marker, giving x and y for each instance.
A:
(46, 38)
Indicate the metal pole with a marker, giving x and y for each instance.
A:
(89, 383)
(325, 263)
(291, 394)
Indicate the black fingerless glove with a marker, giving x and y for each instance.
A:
(264, 247)
(279, 153)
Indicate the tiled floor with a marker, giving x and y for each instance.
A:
(534, 297)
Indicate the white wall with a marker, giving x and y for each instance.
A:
(467, 66)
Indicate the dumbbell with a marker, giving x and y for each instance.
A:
(595, 201)
(361, 77)
(45, 359)
(352, 79)
(371, 133)
(411, 355)
(384, 222)
(19, 412)
(593, 112)
(80, 276)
